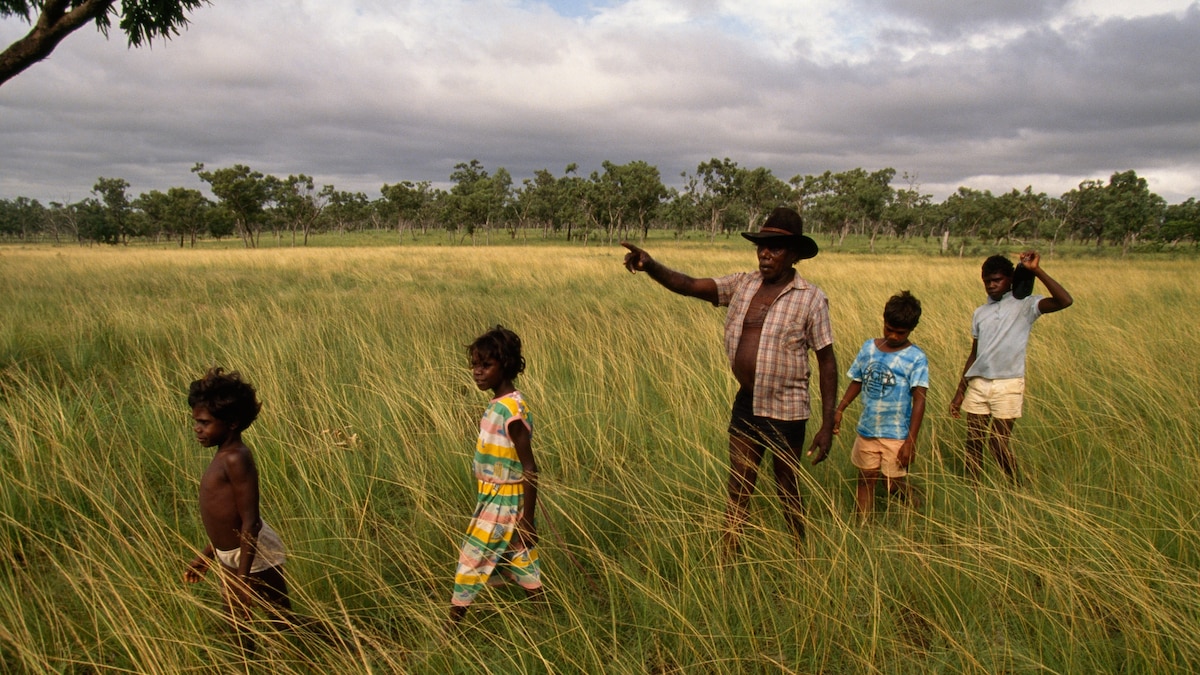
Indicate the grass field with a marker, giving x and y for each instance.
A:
(365, 440)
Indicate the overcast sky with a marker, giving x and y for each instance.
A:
(988, 94)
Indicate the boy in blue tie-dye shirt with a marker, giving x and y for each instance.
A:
(893, 375)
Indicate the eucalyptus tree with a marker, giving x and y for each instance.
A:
(681, 211)
(718, 188)
(1181, 221)
(537, 202)
(1021, 214)
(91, 222)
(23, 217)
(909, 210)
(117, 209)
(843, 200)
(969, 212)
(298, 203)
(181, 212)
(575, 202)
(1131, 209)
(465, 205)
(345, 211)
(476, 198)
(61, 222)
(607, 207)
(818, 202)
(500, 208)
(152, 207)
(406, 203)
(760, 191)
(868, 196)
(220, 222)
(52, 21)
(1084, 209)
(627, 193)
(190, 212)
(644, 193)
(244, 193)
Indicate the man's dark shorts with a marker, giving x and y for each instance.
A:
(764, 431)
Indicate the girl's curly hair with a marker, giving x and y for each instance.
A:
(227, 396)
(503, 346)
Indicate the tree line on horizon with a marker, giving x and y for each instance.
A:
(619, 201)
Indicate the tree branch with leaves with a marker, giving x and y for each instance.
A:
(52, 21)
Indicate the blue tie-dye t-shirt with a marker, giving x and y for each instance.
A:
(887, 381)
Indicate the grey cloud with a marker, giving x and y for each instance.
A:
(952, 18)
(1083, 101)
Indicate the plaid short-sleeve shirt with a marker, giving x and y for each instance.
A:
(797, 322)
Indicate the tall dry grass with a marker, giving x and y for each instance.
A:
(364, 447)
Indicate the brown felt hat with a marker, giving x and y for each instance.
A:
(782, 225)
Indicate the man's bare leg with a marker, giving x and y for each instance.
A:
(744, 458)
(786, 462)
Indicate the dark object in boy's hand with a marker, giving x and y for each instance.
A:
(1022, 282)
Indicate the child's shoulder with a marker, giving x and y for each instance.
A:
(513, 400)
(914, 354)
(235, 458)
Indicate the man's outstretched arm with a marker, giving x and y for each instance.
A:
(638, 260)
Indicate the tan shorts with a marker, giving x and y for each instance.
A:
(878, 454)
(1001, 399)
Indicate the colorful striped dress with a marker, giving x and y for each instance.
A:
(499, 476)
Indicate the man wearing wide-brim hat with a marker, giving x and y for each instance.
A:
(775, 317)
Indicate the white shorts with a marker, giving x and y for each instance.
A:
(270, 552)
(1001, 399)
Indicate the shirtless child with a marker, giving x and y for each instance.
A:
(250, 553)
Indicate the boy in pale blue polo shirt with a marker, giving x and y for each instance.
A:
(992, 388)
(893, 375)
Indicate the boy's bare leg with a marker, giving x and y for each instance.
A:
(864, 496)
(744, 458)
(237, 614)
(270, 590)
(977, 426)
(1000, 445)
(902, 488)
(786, 462)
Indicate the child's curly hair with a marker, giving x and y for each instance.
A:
(227, 396)
(504, 347)
(998, 263)
(903, 310)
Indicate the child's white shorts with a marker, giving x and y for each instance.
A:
(1001, 399)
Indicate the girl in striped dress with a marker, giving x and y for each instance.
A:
(502, 535)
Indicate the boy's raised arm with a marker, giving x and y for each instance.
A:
(1059, 298)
